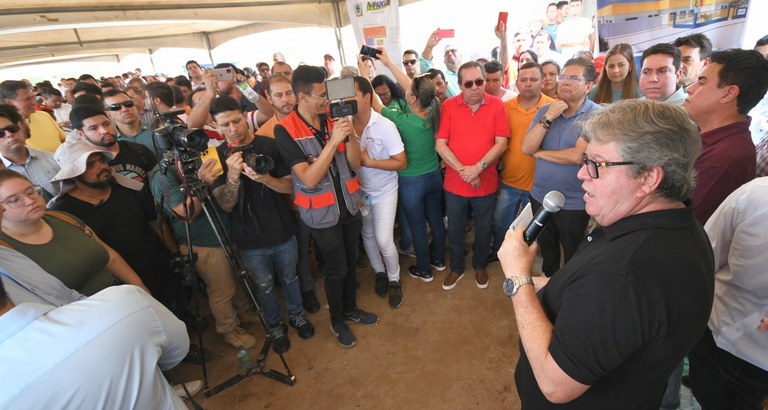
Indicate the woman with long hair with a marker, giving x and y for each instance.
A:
(617, 80)
(421, 182)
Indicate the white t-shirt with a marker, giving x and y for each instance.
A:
(381, 139)
(573, 30)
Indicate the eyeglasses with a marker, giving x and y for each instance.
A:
(571, 79)
(11, 128)
(120, 105)
(478, 82)
(322, 97)
(592, 166)
(16, 201)
(451, 50)
(384, 94)
(410, 62)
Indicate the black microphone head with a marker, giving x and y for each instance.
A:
(553, 201)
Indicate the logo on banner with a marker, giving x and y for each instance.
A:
(377, 5)
(359, 8)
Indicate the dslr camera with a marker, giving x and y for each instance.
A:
(260, 163)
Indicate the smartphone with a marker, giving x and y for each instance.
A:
(224, 74)
(502, 19)
(369, 51)
(446, 33)
(212, 153)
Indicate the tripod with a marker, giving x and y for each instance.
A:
(192, 187)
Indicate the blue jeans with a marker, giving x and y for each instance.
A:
(339, 247)
(482, 210)
(508, 203)
(420, 202)
(406, 240)
(263, 264)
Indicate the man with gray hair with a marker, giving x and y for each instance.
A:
(611, 325)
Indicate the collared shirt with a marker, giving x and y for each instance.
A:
(517, 168)
(562, 134)
(381, 140)
(738, 232)
(26, 282)
(626, 309)
(100, 353)
(144, 137)
(39, 169)
(146, 117)
(452, 84)
(727, 161)
(470, 136)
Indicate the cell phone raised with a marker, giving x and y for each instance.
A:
(211, 153)
(369, 51)
(502, 19)
(446, 33)
(224, 74)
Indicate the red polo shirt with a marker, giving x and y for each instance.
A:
(470, 136)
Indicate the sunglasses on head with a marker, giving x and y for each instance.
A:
(410, 62)
(120, 105)
(11, 128)
(478, 82)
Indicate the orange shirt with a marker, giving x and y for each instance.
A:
(268, 128)
(516, 167)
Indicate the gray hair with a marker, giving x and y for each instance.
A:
(651, 133)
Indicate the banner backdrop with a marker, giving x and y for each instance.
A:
(376, 23)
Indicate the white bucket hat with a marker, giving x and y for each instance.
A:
(72, 157)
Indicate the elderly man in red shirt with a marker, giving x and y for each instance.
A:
(472, 136)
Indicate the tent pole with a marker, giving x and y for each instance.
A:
(208, 46)
(152, 60)
(337, 32)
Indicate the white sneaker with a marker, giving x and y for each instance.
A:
(194, 387)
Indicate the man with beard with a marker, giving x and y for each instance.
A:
(128, 158)
(38, 166)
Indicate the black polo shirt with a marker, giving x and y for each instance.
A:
(626, 309)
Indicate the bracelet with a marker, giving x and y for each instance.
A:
(235, 182)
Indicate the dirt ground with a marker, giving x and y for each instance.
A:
(441, 349)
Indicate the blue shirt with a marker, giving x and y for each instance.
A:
(550, 176)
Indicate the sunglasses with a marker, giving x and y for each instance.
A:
(11, 128)
(479, 82)
(410, 62)
(120, 105)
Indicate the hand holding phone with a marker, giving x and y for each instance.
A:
(224, 74)
(502, 19)
(369, 51)
(445, 33)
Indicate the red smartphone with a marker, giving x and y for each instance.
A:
(446, 33)
(502, 19)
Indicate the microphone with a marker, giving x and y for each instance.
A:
(553, 202)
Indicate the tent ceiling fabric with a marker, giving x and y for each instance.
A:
(36, 31)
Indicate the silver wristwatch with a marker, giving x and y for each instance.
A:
(513, 284)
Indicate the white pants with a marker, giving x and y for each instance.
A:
(378, 236)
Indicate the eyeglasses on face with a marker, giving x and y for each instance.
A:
(592, 166)
(120, 105)
(410, 62)
(9, 129)
(17, 200)
(321, 97)
(478, 82)
(571, 79)
(384, 94)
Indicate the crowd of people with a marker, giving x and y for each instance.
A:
(644, 155)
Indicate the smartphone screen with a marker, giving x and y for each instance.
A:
(446, 33)
(369, 51)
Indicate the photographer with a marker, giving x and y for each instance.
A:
(252, 187)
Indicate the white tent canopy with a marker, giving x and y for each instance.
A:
(36, 31)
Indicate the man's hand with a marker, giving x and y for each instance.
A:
(384, 56)
(255, 176)
(209, 79)
(433, 39)
(235, 166)
(365, 160)
(469, 173)
(208, 172)
(555, 109)
(515, 255)
(476, 183)
(501, 31)
(342, 128)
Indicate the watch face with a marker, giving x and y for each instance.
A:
(509, 287)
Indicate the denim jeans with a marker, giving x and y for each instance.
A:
(720, 380)
(508, 203)
(378, 236)
(339, 246)
(420, 202)
(263, 264)
(482, 210)
(567, 229)
(406, 240)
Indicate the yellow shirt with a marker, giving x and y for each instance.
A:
(44, 133)
(516, 167)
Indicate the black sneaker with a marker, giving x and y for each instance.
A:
(360, 316)
(280, 341)
(344, 336)
(395, 294)
(424, 276)
(437, 265)
(302, 326)
(311, 304)
(381, 284)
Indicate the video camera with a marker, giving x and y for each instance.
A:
(186, 144)
(338, 89)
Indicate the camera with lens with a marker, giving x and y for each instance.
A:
(260, 163)
(339, 89)
(187, 144)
